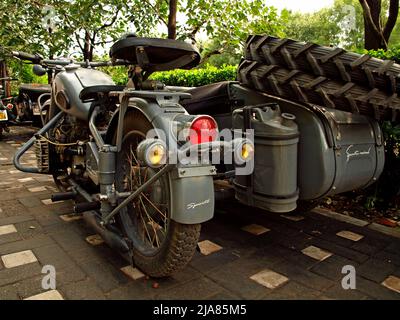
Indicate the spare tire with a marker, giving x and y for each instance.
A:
(330, 62)
(308, 88)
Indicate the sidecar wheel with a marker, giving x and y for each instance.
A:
(161, 246)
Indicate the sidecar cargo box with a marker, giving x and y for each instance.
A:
(338, 151)
(156, 54)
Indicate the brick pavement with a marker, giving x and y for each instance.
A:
(263, 256)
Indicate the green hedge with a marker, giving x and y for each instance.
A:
(391, 54)
(185, 78)
(196, 77)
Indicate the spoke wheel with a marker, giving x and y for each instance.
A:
(161, 246)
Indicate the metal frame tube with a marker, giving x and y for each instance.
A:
(30, 143)
(135, 194)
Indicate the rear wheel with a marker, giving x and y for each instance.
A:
(161, 246)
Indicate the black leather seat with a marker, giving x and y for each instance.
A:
(156, 54)
(92, 93)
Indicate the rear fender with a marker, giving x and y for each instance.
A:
(192, 188)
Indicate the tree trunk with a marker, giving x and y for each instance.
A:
(373, 40)
(87, 48)
(376, 35)
(173, 9)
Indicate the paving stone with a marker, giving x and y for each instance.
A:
(336, 249)
(23, 180)
(392, 283)
(208, 247)
(350, 235)
(341, 217)
(18, 259)
(134, 291)
(376, 270)
(48, 295)
(389, 257)
(37, 189)
(369, 246)
(201, 289)
(7, 229)
(337, 292)
(224, 295)
(206, 264)
(269, 279)
(28, 244)
(304, 277)
(30, 202)
(55, 256)
(375, 290)
(255, 229)
(15, 219)
(70, 217)
(48, 202)
(95, 240)
(235, 277)
(70, 275)
(9, 292)
(18, 274)
(292, 291)
(332, 267)
(132, 272)
(82, 290)
(105, 276)
(295, 218)
(9, 238)
(316, 253)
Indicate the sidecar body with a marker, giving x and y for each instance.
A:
(303, 152)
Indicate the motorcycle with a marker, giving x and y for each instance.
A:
(135, 162)
(30, 98)
(7, 108)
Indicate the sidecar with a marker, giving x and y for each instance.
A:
(315, 113)
(303, 152)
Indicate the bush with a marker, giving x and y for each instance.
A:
(391, 54)
(196, 77)
(183, 78)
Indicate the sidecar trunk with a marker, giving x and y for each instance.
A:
(337, 151)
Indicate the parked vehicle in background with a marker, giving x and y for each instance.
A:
(7, 108)
(29, 101)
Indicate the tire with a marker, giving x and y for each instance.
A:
(333, 63)
(176, 243)
(307, 88)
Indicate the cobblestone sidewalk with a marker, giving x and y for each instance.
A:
(243, 254)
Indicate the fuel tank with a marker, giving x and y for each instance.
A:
(69, 83)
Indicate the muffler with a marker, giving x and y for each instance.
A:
(110, 237)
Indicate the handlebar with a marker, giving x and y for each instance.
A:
(37, 59)
(34, 58)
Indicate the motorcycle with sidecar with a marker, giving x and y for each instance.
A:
(134, 161)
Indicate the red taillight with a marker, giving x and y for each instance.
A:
(203, 129)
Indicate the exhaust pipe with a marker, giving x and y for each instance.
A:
(111, 238)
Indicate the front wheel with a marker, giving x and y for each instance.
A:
(161, 246)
